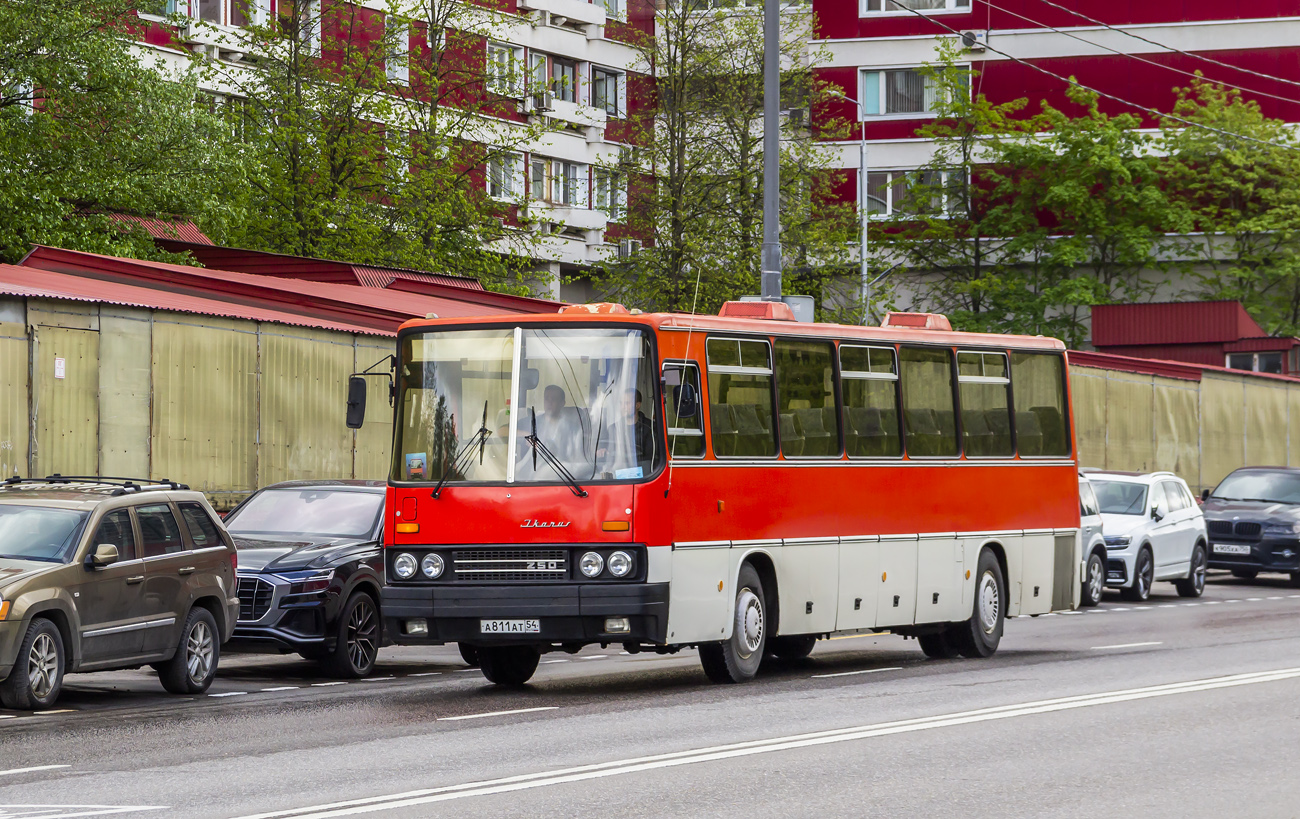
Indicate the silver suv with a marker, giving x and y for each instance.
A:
(99, 573)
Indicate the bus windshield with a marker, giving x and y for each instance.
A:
(471, 400)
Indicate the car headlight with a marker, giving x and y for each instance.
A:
(1118, 541)
(620, 564)
(404, 566)
(591, 564)
(432, 566)
(1283, 529)
(304, 582)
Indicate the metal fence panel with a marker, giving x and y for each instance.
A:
(374, 440)
(1223, 427)
(125, 381)
(1129, 443)
(1088, 394)
(303, 390)
(15, 425)
(1266, 423)
(67, 401)
(1176, 429)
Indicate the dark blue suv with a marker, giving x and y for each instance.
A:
(1253, 521)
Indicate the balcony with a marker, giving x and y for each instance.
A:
(571, 13)
(572, 218)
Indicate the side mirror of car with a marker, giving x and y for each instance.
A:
(686, 401)
(356, 402)
(105, 555)
(1205, 495)
(1155, 514)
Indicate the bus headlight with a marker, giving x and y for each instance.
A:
(591, 564)
(404, 566)
(620, 564)
(432, 566)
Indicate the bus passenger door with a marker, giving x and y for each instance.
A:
(939, 569)
(896, 600)
(859, 580)
(805, 580)
(700, 596)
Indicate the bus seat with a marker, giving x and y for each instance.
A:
(999, 424)
(923, 435)
(792, 443)
(1028, 434)
(828, 418)
(1052, 428)
(865, 433)
(753, 436)
(723, 429)
(975, 432)
(819, 440)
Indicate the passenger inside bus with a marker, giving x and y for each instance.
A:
(631, 432)
(560, 427)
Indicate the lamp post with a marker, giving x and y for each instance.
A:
(770, 265)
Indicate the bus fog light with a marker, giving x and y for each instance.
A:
(617, 625)
(620, 564)
(419, 626)
(404, 566)
(591, 564)
(432, 566)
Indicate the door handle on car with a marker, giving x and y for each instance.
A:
(136, 579)
(185, 570)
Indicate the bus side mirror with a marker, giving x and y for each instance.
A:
(686, 401)
(356, 402)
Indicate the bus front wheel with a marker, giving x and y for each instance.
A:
(508, 665)
(737, 659)
(979, 636)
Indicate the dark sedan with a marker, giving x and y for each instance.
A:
(310, 570)
(1253, 522)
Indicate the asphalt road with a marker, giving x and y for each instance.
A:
(1169, 708)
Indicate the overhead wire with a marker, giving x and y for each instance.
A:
(1112, 97)
(1140, 59)
(1170, 48)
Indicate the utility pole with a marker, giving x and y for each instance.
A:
(771, 261)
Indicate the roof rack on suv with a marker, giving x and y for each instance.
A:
(115, 486)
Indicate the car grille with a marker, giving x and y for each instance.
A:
(510, 565)
(254, 598)
(1226, 528)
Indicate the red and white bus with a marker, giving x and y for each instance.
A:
(743, 484)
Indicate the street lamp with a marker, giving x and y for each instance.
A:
(865, 283)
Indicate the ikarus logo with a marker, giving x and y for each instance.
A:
(544, 524)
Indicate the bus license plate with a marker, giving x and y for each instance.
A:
(1231, 549)
(510, 626)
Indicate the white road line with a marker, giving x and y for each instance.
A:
(68, 811)
(323, 685)
(228, 694)
(1210, 602)
(1126, 645)
(548, 662)
(1120, 608)
(596, 657)
(863, 671)
(282, 688)
(425, 674)
(1275, 598)
(1071, 612)
(1190, 604)
(32, 769)
(743, 749)
(1293, 595)
(1168, 605)
(376, 679)
(464, 670)
(500, 713)
(1253, 599)
(8, 716)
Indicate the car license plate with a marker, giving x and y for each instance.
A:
(510, 626)
(1231, 549)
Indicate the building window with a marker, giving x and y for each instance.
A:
(608, 92)
(898, 92)
(242, 12)
(564, 79)
(309, 25)
(895, 193)
(397, 65)
(904, 6)
(505, 69)
(615, 9)
(505, 176)
(557, 182)
(611, 193)
(1256, 362)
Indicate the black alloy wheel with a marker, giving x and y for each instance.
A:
(1194, 584)
(357, 643)
(1144, 573)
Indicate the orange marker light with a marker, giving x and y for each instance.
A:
(408, 528)
(968, 574)
(883, 575)
(719, 585)
(4, 609)
(615, 526)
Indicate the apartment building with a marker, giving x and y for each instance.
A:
(567, 64)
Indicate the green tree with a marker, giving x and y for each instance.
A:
(87, 130)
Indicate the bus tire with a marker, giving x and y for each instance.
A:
(469, 654)
(508, 665)
(941, 646)
(794, 647)
(737, 659)
(979, 636)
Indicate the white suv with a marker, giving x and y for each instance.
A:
(1154, 531)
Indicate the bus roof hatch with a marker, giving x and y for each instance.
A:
(770, 310)
(917, 321)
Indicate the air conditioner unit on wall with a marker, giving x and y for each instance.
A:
(543, 101)
(974, 40)
(627, 248)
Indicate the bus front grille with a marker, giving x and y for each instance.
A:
(510, 565)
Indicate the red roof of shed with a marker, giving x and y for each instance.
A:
(1195, 322)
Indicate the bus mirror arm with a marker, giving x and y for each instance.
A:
(356, 407)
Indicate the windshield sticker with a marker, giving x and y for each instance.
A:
(415, 462)
(630, 472)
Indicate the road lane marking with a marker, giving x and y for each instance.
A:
(282, 688)
(596, 657)
(1168, 605)
(1126, 645)
(464, 670)
(1119, 608)
(548, 662)
(425, 674)
(376, 679)
(1275, 598)
(32, 769)
(323, 685)
(1210, 602)
(500, 713)
(1064, 612)
(863, 671)
(742, 749)
(1253, 599)
(1232, 601)
(68, 811)
(228, 694)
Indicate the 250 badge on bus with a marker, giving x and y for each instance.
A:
(510, 626)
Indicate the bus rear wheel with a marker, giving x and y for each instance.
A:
(508, 665)
(795, 647)
(737, 659)
(944, 645)
(979, 636)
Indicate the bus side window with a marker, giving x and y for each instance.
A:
(740, 398)
(1038, 383)
(929, 417)
(985, 407)
(869, 378)
(805, 392)
(685, 432)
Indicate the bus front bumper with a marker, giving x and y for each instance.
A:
(569, 613)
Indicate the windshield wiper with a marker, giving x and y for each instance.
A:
(479, 438)
(549, 457)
